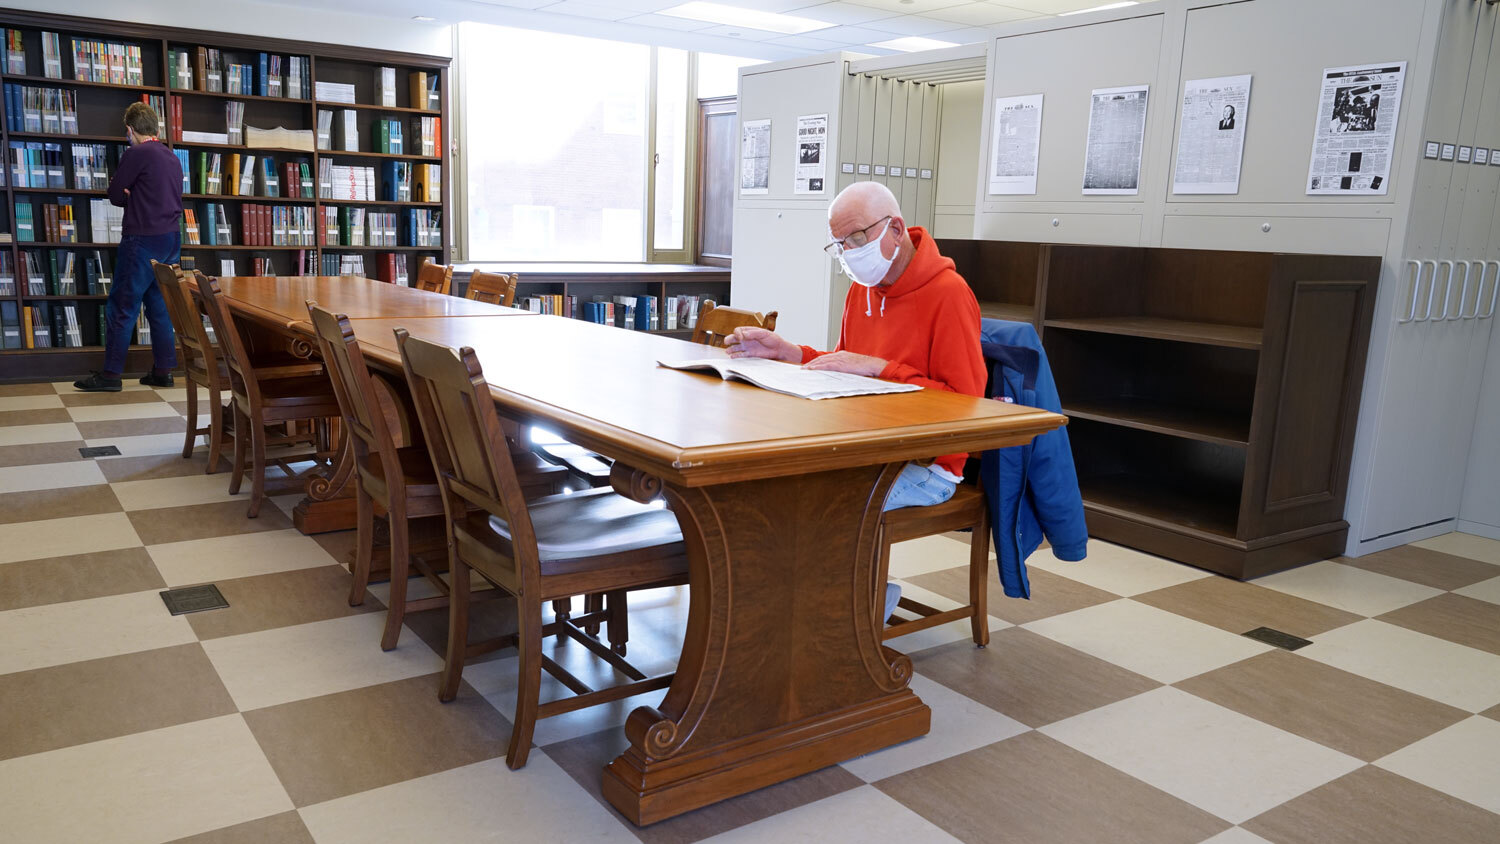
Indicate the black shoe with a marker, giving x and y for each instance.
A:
(153, 380)
(97, 383)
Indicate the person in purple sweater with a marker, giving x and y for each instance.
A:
(148, 185)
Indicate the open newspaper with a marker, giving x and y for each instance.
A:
(793, 380)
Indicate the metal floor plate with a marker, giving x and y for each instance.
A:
(100, 451)
(194, 599)
(1285, 641)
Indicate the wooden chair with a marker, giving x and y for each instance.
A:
(968, 508)
(556, 547)
(201, 365)
(494, 288)
(435, 278)
(715, 323)
(259, 401)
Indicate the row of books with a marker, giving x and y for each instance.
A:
(15, 52)
(106, 221)
(215, 226)
(205, 69)
(277, 225)
(100, 61)
(48, 111)
(234, 122)
(345, 181)
(61, 273)
(37, 165)
(424, 227)
(46, 325)
(51, 222)
(248, 175)
(389, 138)
(638, 313)
(429, 130)
(345, 226)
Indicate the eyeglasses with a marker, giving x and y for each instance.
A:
(854, 240)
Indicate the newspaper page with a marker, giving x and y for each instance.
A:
(1356, 130)
(1117, 131)
(755, 156)
(792, 379)
(812, 153)
(1211, 138)
(1015, 141)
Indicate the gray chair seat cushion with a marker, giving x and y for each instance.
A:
(599, 521)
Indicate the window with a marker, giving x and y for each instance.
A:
(719, 76)
(670, 198)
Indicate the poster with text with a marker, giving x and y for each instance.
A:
(812, 153)
(755, 156)
(1211, 137)
(1015, 141)
(1356, 130)
(1117, 132)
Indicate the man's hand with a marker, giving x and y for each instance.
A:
(750, 342)
(127, 191)
(848, 362)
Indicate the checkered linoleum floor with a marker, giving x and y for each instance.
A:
(1119, 705)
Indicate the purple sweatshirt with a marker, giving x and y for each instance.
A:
(153, 175)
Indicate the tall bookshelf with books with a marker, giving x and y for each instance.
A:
(299, 158)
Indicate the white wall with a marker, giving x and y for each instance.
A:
(271, 20)
(958, 159)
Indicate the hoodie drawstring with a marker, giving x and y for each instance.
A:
(867, 301)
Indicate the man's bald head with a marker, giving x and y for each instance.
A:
(860, 207)
(865, 201)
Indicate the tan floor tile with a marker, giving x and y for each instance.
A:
(1241, 607)
(131, 411)
(1424, 566)
(340, 744)
(1467, 621)
(927, 554)
(142, 788)
(1371, 806)
(59, 503)
(32, 454)
(335, 655)
(38, 401)
(1029, 677)
(1484, 590)
(1344, 711)
(76, 578)
(484, 801)
(106, 428)
(244, 555)
(64, 705)
(42, 389)
(280, 600)
(33, 434)
(66, 536)
(1463, 760)
(1426, 665)
(141, 396)
(584, 759)
(49, 476)
(143, 445)
(1236, 835)
(285, 828)
(57, 634)
(1051, 594)
(184, 491)
(167, 525)
(1036, 790)
(150, 467)
(1347, 588)
(1465, 545)
(39, 416)
(1117, 569)
(932, 637)
(959, 724)
(860, 814)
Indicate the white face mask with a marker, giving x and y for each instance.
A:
(866, 265)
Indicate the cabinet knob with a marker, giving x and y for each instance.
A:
(1056, 222)
(1265, 227)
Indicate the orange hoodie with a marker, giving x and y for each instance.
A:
(925, 324)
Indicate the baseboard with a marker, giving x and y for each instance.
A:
(1479, 529)
(1359, 548)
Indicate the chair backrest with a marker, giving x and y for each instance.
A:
(435, 278)
(241, 373)
(468, 449)
(716, 323)
(494, 288)
(354, 388)
(198, 354)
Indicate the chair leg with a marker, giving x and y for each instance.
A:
(592, 602)
(563, 608)
(400, 570)
(257, 468)
(529, 683)
(364, 543)
(215, 430)
(458, 629)
(191, 439)
(619, 624)
(241, 431)
(882, 574)
(979, 575)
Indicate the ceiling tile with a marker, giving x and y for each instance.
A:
(845, 14)
(760, 5)
(919, 25)
(851, 35)
(911, 7)
(510, 4)
(1052, 7)
(966, 35)
(668, 22)
(744, 33)
(807, 42)
(980, 14)
(587, 10)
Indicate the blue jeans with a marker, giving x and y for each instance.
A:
(917, 486)
(134, 287)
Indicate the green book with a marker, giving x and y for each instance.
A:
(307, 183)
(203, 172)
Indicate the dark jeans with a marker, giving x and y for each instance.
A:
(134, 288)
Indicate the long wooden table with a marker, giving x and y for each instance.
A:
(779, 499)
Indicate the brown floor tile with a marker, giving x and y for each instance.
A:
(42, 389)
(57, 503)
(1457, 618)
(58, 579)
(1374, 806)
(285, 828)
(339, 544)
(80, 702)
(97, 399)
(1424, 566)
(45, 416)
(487, 620)
(33, 454)
(155, 466)
(201, 521)
(1032, 789)
(584, 759)
(1241, 607)
(1029, 677)
(1051, 594)
(106, 428)
(1492, 713)
(280, 600)
(1344, 711)
(345, 743)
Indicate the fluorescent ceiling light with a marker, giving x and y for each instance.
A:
(913, 44)
(748, 18)
(1105, 7)
(423, 18)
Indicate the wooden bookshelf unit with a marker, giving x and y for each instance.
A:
(1212, 395)
(100, 108)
